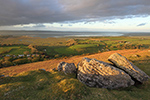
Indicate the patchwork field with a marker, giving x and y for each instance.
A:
(27, 82)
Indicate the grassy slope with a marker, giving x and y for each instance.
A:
(15, 50)
(41, 85)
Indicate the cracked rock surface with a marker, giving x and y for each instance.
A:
(96, 73)
(124, 64)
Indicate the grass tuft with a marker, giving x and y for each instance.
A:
(42, 85)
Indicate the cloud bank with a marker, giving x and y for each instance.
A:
(13, 12)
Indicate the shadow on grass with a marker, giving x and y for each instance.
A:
(42, 85)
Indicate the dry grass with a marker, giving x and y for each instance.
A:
(53, 85)
(50, 64)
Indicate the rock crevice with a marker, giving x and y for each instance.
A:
(96, 73)
(124, 64)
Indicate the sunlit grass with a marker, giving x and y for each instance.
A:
(53, 85)
(37, 85)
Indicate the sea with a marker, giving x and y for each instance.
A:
(58, 34)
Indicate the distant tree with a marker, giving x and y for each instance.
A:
(42, 52)
(57, 55)
(71, 42)
(35, 59)
(34, 50)
(1, 63)
(112, 47)
(6, 63)
(30, 46)
(26, 52)
(8, 58)
(20, 61)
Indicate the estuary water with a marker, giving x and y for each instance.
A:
(46, 34)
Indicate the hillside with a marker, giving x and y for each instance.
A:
(21, 50)
(50, 64)
(29, 83)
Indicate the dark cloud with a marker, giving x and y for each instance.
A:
(13, 12)
(109, 8)
(142, 24)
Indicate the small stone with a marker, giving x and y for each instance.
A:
(7, 76)
(54, 69)
(136, 56)
(42, 70)
(68, 68)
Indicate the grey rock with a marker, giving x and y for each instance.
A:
(68, 68)
(42, 69)
(59, 67)
(7, 76)
(54, 69)
(136, 56)
(96, 73)
(124, 64)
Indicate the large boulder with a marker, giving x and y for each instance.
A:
(96, 73)
(68, 68)
(124, 64)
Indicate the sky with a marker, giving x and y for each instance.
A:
(75, 15)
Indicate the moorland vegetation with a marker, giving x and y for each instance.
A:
(26, 83)
(16, 50)
(37, 81)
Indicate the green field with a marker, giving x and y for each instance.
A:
(80, 46)
(77, 49)
(14, 50)
(62, 47)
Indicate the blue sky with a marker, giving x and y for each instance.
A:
(75, 15)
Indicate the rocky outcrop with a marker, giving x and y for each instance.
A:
(96, 73)
(68, 68)
(124, 64)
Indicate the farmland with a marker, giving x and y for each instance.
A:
(35, 49)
